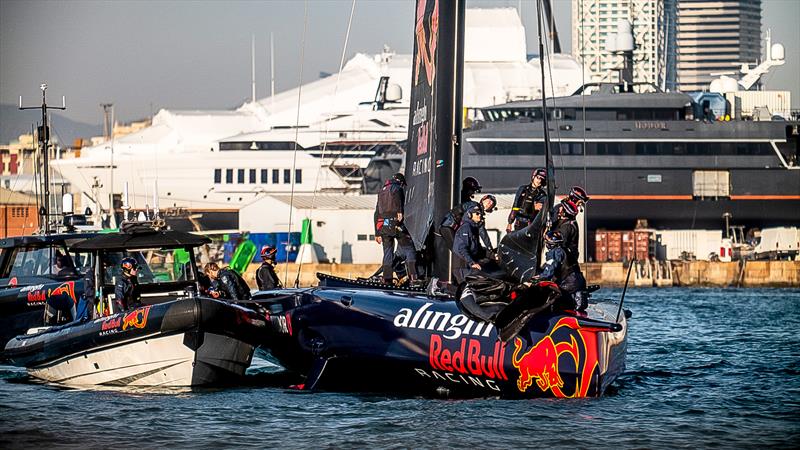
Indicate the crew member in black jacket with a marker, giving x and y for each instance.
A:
(229, 284)
(389, 227)
(266, 278)
(529, 201)
(565, 274)
(467, 245)
(126, 290)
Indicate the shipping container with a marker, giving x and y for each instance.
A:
(643, 245)
(688, 244)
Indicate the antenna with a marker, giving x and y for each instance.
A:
(44, 142)
(253, 66)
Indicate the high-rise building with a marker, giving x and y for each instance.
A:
(716, 37)
(595, 22)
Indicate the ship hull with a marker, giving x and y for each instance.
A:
(367, 340)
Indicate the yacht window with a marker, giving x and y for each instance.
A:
(623, 115)
(217, 176)
(298, 176)
(379, 122)
(252, 176)
(287, 176)
(240, 176)
(264, 176)
(362, 237)
(229, 176)
(276, 173)
(32, 262)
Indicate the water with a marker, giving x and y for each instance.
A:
(706, 368)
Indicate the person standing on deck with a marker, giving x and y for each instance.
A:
(528, 201)
(126, 289)
(229, 284)
(266, 278)
(389, 227)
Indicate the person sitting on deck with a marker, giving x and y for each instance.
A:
(559, 269)
(467, 245)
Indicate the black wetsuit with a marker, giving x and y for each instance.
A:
(524, 209)
(266, 278)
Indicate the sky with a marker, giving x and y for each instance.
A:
(146, 55)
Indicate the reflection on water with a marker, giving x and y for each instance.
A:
(706, 367)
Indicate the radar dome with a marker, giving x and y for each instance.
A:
(394, 92)
(778, 53)
(724, 84)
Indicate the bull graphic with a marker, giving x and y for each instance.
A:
(67, 289)
(540, 363)
(426, 48)
(136, 318)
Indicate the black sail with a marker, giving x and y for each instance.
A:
(433, 161)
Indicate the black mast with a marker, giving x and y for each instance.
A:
(433, 157)
(548, 157)
(44, 142)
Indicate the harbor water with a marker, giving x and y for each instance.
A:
(705, 368)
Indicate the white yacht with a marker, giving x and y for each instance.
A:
(347, 137)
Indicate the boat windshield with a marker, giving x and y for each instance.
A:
(32, 264)
(156, 265)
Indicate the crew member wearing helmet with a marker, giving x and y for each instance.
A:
(566, 224)
(529, 201)
(389, 227)
(557, 268)
(469, 187)
(266, 278)
(126, 290)
(578, 196)
(467, 246)
(226, 283)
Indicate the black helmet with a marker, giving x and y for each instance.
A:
(540, 173)
(494, 202)
(400, 178)
(268, 252)
(569, 208)
(127, 265)
(578, 193)
(471, 184)
(553, 238)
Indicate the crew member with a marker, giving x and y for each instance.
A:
(469, 187)
(467, 244)
(557, 268)
(266, 278)
(529, 201)
(566, 224)
(229, 284)
(126, 290)
(452, 220)
(578, 196)
(389, 227)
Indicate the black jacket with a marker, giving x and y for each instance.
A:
(524, 202)
(266, 278)
(456, 215)
(126, 293)
(231, 285)
(391, 200)
(466, 244)
(569, 230)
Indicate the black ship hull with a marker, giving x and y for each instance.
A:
(359, 339)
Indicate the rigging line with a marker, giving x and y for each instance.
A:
(327, 128)
(545, 127)
(553, 91)
(296, 137)
(583, 91)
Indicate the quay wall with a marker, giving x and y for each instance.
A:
(610, 274)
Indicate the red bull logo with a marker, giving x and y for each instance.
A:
(136, 318)
(67, 288)
(542, 364)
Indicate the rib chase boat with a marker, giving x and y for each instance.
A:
(176, 338)
(497, 336)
